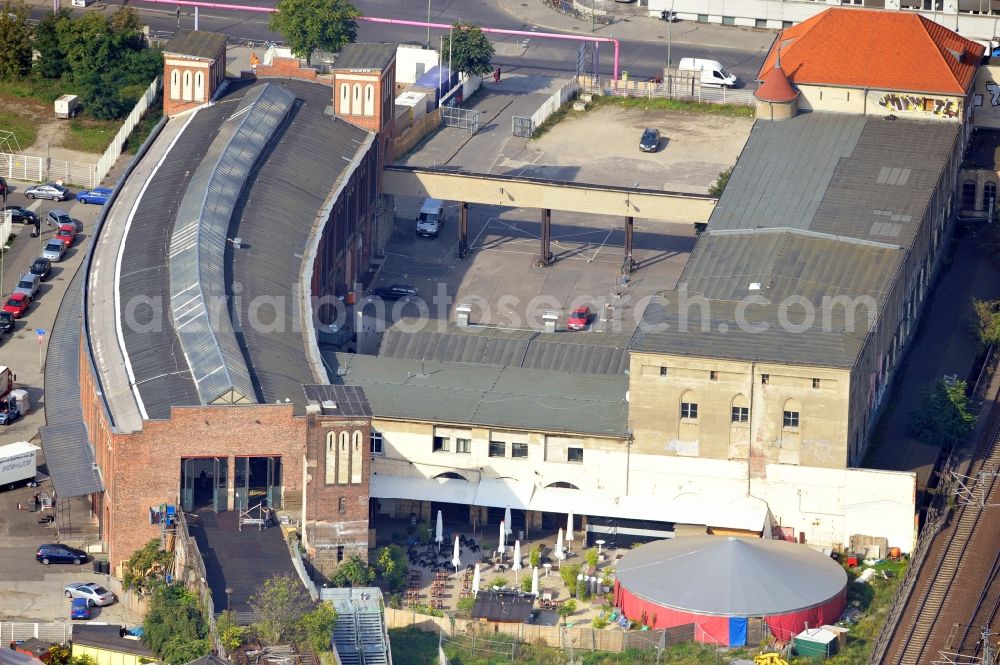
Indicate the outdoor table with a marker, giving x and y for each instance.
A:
(548, 568)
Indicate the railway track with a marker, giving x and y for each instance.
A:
(985, 611)
(918, 631)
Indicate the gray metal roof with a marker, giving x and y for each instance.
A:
(731, 576)
(69, 456)
(854, 176)
(338, 400)
(154, 352)
(196, 43)
(365, 57)
(279, 224)
(486, 395)
(198, 245)
(588, 353)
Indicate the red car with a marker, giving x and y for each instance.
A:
(17, 304)
(67, 233)
(579, 319)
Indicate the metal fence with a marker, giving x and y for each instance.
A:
(6, 225)
(41, 169)
(454, 116)
(47, 632)
(114, 150)
(682, 88)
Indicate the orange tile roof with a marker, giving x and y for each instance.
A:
(775, 87)
(880, 49)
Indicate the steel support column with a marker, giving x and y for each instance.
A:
(463, 230)
(545, 259)
(629, 266)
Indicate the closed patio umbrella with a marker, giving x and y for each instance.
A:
(534, 581)
(455, 559)
(508, 521)
(503, 539)
(559, 554)
(439, 532)
(475, 581)
(569, 531)
(517, 560)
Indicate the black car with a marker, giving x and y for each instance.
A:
(55, 553)
(395, 292)
(6, 323)
(21, 215)
(41, 267)
(650, 141)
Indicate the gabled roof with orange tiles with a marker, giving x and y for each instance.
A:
(775, 87)
(883, 50)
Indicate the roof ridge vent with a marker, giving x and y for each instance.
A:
(329, 404)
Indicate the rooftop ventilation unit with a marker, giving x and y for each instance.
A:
(329, 405)
(462, 313)
(755, 286)
(549, 319)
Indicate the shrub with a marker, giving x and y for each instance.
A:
(535, 556)
(569, 573)
(592, 557)
(600, 621)
(526, 584)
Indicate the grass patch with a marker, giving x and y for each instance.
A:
(42, 90)
(145, 126)
(90, 135)
(658, 104)
(23, 126)
(410, 645)
(554, 119)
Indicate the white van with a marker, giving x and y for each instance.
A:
(430, 218)
(712, 73)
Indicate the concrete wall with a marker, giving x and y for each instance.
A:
(412, 62)
(659, 428)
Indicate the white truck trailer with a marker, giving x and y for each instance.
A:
(18, 463)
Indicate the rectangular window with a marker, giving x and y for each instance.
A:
(728, 20)
(463, 446)
(815, 384)
(342, 505)
(760, 23)
(519, 450)
(702, 18)
(376, 443)
(741, 414)
(713, 376)
(498, 449)
(663, 371)
(790, 419)
(689, 410)
(340, 553)
(442, 444)
(574, 454)
(765, 379)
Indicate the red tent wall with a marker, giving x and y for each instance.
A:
(786, 626)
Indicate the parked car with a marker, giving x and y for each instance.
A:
(10, 410)
(58, 553)
(650, 141)
(58, 217)
(41, 267)
(6, 323)
(97, 195)
(28, 284)
(92, 592)
(54, 250)
(17, 304)
(395, 292)
(20, 215)
(67, 233)
(79, 609)
(578, 318)
(50, 190)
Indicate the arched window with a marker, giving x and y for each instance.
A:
(969, 194)
(331, 458)
(356, 100)
(790, 414)
(175, 84)
(330, 440)
(345, 98)
(199, 86)
(186, 93)
(740, 410)
(369, 100)
(563, 485)
(343, 459)
(989, 195)
(689, 406)
(356, 457)
(452, 475)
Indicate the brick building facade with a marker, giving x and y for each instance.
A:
(194, 66)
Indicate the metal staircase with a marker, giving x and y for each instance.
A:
(359, 636)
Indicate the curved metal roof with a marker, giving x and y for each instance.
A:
(198, 290)
(731, 576)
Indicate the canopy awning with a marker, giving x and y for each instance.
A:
(446, 490)
(70, 460)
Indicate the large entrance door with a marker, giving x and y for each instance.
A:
(203, 483)
(258, 479)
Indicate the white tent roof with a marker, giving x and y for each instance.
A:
(731, 576)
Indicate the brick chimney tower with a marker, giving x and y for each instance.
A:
(194, 66)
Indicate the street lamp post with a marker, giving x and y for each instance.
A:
(428, 23)
(670, 34)
(592, 28)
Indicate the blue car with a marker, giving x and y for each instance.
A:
(79, 609)
(98, 196)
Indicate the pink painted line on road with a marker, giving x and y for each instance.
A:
(416, 24)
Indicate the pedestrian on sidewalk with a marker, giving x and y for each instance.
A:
(496, 75)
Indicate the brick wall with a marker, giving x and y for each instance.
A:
(337, 480)
(287, 68)
(147, 468)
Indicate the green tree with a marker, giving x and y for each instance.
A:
(318, 627)
(101, 98)
(51, 61)
(231, 634)
(308, 25)
(174, 627)
(15, 41)
(567, 609)
(391, 566)
(721, 182)
(471, 51)
(943, 418)
(145, 569)
(87, 45)
(281, 602)
(126, 21)
(569, 573)
(352, 571)
(987, 321)
(592, 557)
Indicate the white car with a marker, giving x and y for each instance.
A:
(92, 592)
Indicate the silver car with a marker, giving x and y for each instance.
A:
(50, 190)
(92, 592)
(28, 284)
(54, 250)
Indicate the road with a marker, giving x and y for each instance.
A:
(643, 59)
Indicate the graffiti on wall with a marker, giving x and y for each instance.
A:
(994, 90)
(943, 108)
